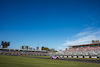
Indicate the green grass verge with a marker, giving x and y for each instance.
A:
(36, 56)
(20, 61)
(84, 58)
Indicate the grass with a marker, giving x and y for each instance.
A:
(65, 57)
(36, 56)
(20, 61)
(84, 58)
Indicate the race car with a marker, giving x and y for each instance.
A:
(55, 57)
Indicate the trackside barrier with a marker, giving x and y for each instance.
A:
(86, 57)
(74, 56)
(7, 53)
(61, 56)
(80, 56)
(69, 56)
(65, 56)
(93, 56)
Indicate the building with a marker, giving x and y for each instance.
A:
(23, 47)
(37, 48)
(51, 50)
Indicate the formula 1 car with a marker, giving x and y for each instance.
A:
(55, 57)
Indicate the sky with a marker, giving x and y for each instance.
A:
(55, 24)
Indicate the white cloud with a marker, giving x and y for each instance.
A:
(83, 37)
(98, 32)
(82, 34)
(86, 36)
(89, 29)
(83, 40)
(95, 22)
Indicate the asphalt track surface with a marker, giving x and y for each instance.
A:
(77, 60)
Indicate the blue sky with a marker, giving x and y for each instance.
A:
(49, 23)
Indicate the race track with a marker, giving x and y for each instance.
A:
(84, 60)
(77, 60)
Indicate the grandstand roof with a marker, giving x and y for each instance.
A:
(85, 45)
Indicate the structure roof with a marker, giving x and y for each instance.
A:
(84, 45)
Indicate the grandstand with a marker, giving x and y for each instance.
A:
(84, 51)
(18, 52)
(24, 50)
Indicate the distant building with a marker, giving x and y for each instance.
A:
(37, 48)
(29, 47)
(60, 50)
(51, 50)
(40, 49)
(26, 47)
(33, 49)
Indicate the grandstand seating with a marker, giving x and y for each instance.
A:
(87, 50)
(18, 52)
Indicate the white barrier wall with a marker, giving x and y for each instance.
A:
(93, 56)
(65, 56)
(74, 56)
(86, 56)
(69, 56)
(61, 56)
(80, 56)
